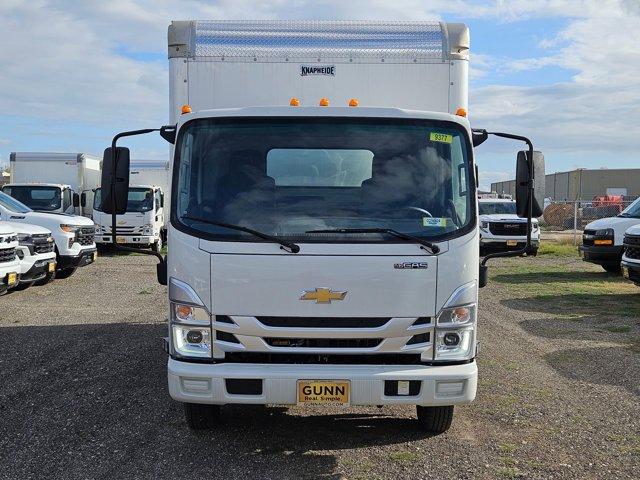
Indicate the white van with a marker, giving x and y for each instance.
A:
(631, 257)
(602, 239)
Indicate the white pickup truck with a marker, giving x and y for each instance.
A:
(9, 262)
(501, 228)
(36, 252)
(631, 257)
(73, 234)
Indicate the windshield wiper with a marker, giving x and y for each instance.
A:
(293, 248)
(433, 248)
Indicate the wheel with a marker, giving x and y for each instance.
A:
(435, 420)
(66, 272)
(201, 417)
(23, 286)
(533, 252)
(48, 279)
(157, 246)
(613, 268)
(101, 247)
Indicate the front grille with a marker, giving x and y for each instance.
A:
(518, 229)
(41, 245)
(7, 255)
(323, 322)
(85, 235)
(323, 342)
(323, 359)
(632, 246)
(122, 230)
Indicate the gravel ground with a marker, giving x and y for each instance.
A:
(83, 395)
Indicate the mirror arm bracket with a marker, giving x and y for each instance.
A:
(113, 196)
(483, 134)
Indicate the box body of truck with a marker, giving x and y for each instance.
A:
(359, 317)
(48, 181)
(144, 223)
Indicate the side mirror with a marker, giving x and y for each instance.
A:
(83, 199)
(76, 200)
(115, 168)
(522, 184)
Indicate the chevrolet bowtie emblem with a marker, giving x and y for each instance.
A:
(322, 295)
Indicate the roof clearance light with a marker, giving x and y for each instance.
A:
(294, 102)
(354, 102)
(324, 102)
(461, 112)
(186, 109)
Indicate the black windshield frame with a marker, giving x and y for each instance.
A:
(242, 238)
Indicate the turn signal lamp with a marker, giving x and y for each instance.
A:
(294, 102)
(186, 109)
(184, 312)
(354, 102)
(324, 102)
(603, 242)
(461, 112)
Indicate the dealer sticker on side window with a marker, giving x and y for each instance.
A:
(434, 222)
(440, 137)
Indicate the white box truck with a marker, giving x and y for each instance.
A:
(323, 238)
(144, 222)
(54, 182)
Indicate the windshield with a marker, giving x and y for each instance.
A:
(632, 210)
(490, 208)
(285, 177)
(12, 204)
(46, 199)
(139, 200)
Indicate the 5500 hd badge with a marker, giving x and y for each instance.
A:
(306, 70)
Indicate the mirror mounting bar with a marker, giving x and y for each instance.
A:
(482, 135)
(113, 195)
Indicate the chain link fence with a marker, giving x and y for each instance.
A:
(570, 218)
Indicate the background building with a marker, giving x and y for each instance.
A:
(583, 184)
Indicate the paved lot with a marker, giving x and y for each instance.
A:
(83, 395)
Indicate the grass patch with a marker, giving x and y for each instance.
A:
(507, 447)
(555, 249)
(404, 456)
(567, 287)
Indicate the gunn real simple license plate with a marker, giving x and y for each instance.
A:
(512, 243)
(323, 392)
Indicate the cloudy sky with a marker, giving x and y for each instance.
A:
(565, 73)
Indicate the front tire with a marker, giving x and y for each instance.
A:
(532, 252)
(435, 420)
(201, 417)
(615, 269)
(66, 272)
(157, 246)
(23, 286)
(47, 279)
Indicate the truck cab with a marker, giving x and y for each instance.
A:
(73, 234)
(603, 239)
(141, 225)
(9, 262)
(45, 197)
(502, 229)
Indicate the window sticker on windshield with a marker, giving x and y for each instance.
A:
(440, 137)
(434, 222)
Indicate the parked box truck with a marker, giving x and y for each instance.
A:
(144, 222)
(54, 182)
(323, 236)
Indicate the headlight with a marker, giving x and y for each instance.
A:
(68, 228)
(147, 229)
(605, 232)
(484, 226)
(534, 226)
(190, 331)
(455, 333)
(24, 238)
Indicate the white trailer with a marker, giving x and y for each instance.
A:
(324, 240)
(54, 182)
(144, 223)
